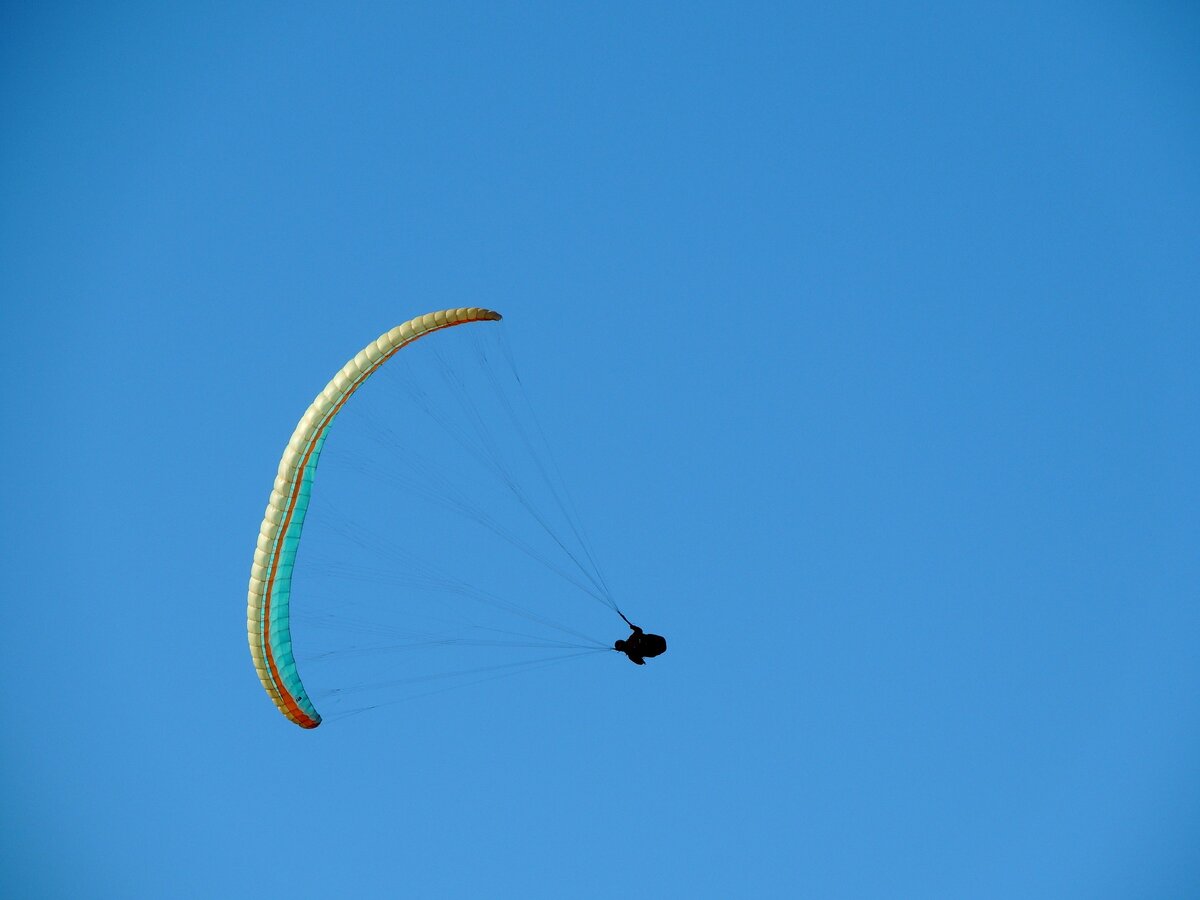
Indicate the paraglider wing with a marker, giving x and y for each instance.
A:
(267, 608)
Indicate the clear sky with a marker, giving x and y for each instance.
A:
(866, 336)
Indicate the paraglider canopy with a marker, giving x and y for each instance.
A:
(268, 625)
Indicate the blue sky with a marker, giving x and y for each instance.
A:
(866, 340)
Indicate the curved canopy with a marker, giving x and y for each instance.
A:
(267, 626)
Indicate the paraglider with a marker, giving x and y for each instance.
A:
(268, 619)
(640, 646)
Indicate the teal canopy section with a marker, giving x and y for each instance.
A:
(281, 590)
